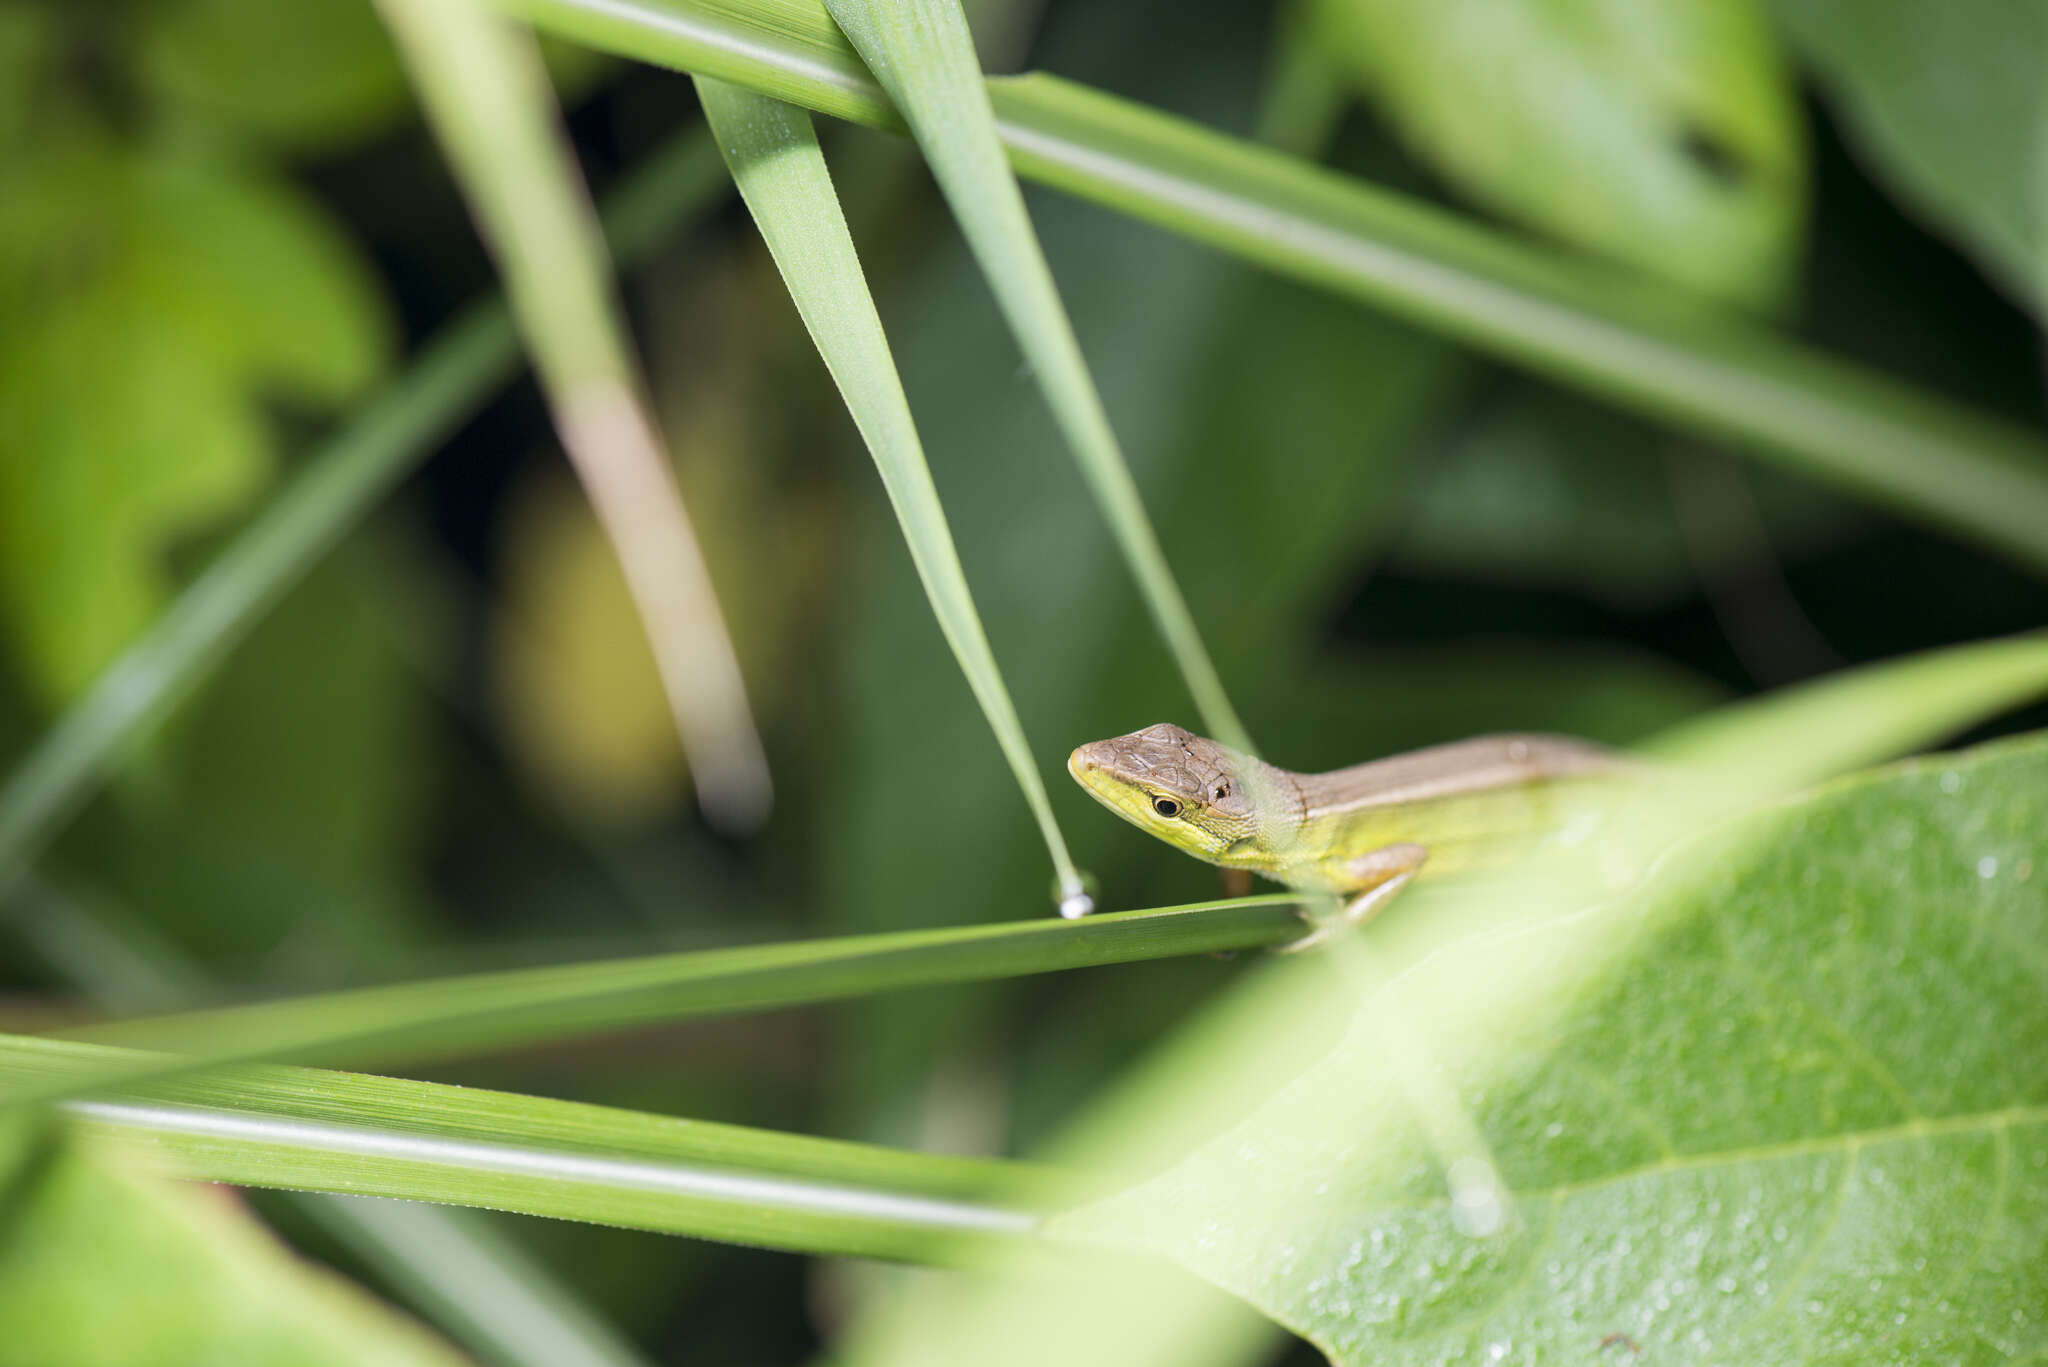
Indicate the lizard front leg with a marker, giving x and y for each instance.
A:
(1376, 876)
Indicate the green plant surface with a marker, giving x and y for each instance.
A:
(774, 157)
(1871, 435)
(310, 76)
(151, 302)
(305, 1129)
(1967, 152)
(1801, 1120)
(923, 54)
(1664, 132)
(457, 1015)
(486, 94)
(342, 480)
(105, 1264)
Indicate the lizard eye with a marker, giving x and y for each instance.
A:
(1166, 807)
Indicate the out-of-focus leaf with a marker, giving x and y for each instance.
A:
(1662, 132)
(1945, 101)
(583, 705)
(148, 305)
(24, 51)
(100, 1265)
(311, 75)
(285, 808)
(1802, 1120)
(1540, 487)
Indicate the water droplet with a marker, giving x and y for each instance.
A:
(1951, 781)
(1987, 867)
(1476, 1205)
(1553, 1129)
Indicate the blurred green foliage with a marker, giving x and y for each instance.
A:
(1944, 101)
(199, 1279)
(1386, 542)
(1662, 132)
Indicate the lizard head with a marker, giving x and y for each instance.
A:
(1188, 791)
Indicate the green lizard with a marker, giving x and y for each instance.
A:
(1363, 832)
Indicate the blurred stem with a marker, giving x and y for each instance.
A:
(1596, 329)
(482, 1289)
(452, 1016)
(450, 378)
(486, 95)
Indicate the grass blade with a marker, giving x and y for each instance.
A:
(307, 1130)
(482, 1290)
(485, 91)
(448, 1016)
(341, 482)
(924, 57)
(774, 157)
(1595, 329)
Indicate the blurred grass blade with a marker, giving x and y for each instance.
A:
(309, 1130)
(478, 1287)
(774, 157)
(923, 55)
(342, 480)
(486, 93)
(1859, 716)
(482, 1290)
(1595, 329)
(449, 1016)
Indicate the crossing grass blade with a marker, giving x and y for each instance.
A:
(484, 1291)
(310, 1130)
(447, 1017)
(774, 157)
(485, 92)
(923, 55)
(1595, 329)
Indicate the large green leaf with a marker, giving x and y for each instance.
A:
(101, 1264)
(148, 305)
(1659, 131)
(1785, 1104)
(1945, 101)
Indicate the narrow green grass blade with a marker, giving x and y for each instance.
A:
(341, 482)
(923, 54)
(483, 1291)
(485, 91)
(450, 1016)
(1901, 447)
(309, 1130)
(774, 157)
